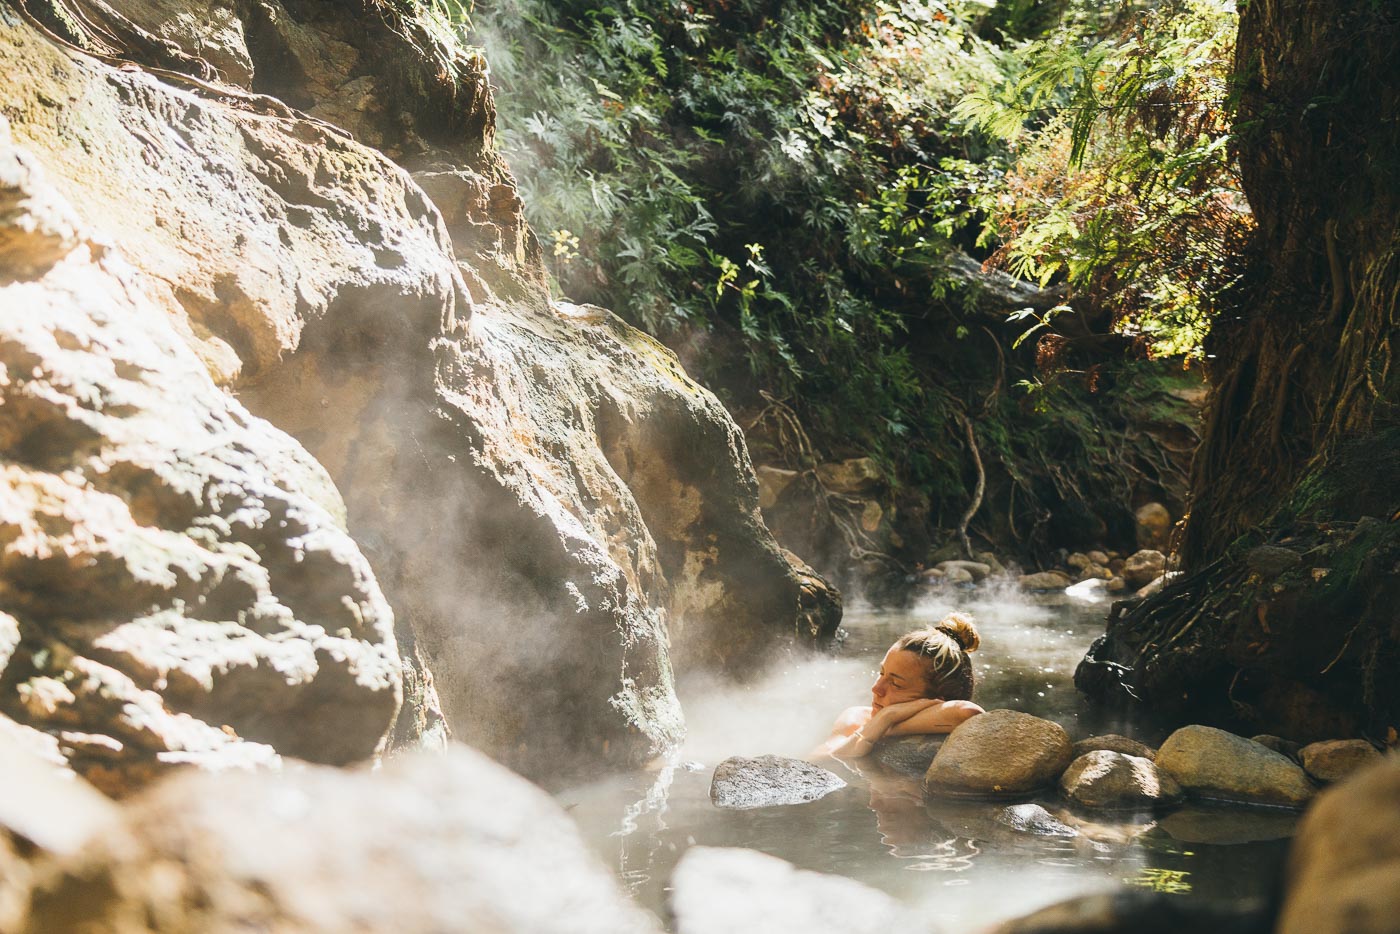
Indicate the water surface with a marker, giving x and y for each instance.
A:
(950, 859)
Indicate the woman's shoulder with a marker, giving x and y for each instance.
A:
(852, 719)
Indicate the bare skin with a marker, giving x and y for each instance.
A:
(898, 708)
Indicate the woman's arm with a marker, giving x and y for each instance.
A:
(943, 717)
(878, 727)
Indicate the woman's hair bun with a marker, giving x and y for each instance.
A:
(963, 630)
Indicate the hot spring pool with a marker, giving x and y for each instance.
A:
(948, 858)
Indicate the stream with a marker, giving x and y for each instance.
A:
(950, 859)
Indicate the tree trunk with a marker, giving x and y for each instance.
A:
(1301, 433)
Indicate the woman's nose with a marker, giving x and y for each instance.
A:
(879, 686)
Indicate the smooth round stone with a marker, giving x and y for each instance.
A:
(1112, 781)
(1035, 820)
(1211, 763)
(1335, 759)
(910, 755)
(1000, 752)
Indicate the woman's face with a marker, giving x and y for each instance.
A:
(902, 678)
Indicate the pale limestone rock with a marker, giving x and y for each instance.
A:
(719, 890)
(432, 842)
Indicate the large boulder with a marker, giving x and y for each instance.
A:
(1000, 752)
(432, 842)
(1214, 764)
(1333, 760)
(1343, 873)
(594, 507)
(1112, 781)
(719, 890)
(177, 571)
(766, 781)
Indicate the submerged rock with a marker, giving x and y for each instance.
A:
(1115, 743)
(1112, 781)
(1000, 752)
(717, 890)
(1334, 760)
(431, 843)
(910, 755)
(1035, 820)
(1226, 826)
(1343, 872)
(766, 781)
(1214, 764)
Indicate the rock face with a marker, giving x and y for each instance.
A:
(433, 842)
(1211, 763)
(766, 781)
(177, 571)
(1333, 760)
(1344, 869)
(1112, 781)
(545, 497)
(1000, 752)
(718, 891)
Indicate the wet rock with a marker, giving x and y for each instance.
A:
(1115, 585)
(717, 890)
(851, 477)
(1141, 913)
(1269, 561)
(1035, 820)
(910, 755)
(819, 604)
(433, 842)
(1343, 873)
(1226, 826)
(1112, 781)
(1278, 744)
(1334, 760)
(1044, 580)
(1143, 567)
(1077, 560)
(1115, 743)
(1154, 526)
(1095, 572)
(978, 571)
(767, 781)
(1000, 752)
(1214, 764)
(1101, 558)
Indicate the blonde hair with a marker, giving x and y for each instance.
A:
(944, 648)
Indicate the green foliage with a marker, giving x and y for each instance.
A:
(1123, 182)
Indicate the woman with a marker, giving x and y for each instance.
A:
(925, 686)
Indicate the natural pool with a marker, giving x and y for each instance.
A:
(948, 858)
